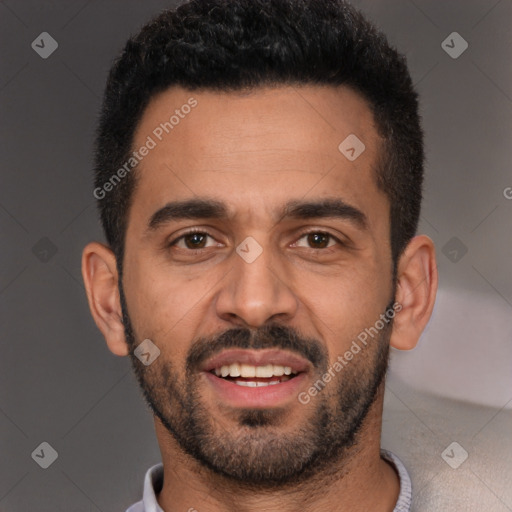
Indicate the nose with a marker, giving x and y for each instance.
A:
(256, 291)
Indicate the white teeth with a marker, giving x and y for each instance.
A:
(265, 371)
(234, 370)
(253, 384)
(248, 383)
(278, 370)
(247, 370)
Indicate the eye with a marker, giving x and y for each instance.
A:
(196, 240)
(319, 240)
(192, 240)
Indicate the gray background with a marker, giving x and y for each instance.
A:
(59, 383)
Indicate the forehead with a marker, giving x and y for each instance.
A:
(255, 151)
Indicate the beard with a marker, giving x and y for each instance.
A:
(264, 448)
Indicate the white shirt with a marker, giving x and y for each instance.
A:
(155, 474)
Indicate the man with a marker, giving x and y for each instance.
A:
(259, 169)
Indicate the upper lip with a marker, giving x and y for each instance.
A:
(260, 357)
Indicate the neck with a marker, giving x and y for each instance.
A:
(361, 481)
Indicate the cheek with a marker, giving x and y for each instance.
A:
(150, 296)
(167, 305)
(346, 303)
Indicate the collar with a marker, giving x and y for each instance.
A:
(154, 478)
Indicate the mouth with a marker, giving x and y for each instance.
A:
(256, 378)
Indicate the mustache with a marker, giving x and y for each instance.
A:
(269, 336)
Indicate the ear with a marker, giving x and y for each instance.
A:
(416, 292)
(99, 272)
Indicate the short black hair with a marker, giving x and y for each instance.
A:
(237, 45)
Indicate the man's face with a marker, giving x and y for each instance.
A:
(258, 285)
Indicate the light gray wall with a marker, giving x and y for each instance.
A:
(58, 382)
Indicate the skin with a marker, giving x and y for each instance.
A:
(255, 152)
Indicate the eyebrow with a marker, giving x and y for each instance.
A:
(196, 209)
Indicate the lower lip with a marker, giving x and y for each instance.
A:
(257, 397)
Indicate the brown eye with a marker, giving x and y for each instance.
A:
(318, 240)
(193, 240)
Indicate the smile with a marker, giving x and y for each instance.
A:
(256, 378)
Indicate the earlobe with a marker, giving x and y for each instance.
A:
(99, 272)
(416, 292)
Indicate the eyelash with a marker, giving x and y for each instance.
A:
(303, 234)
